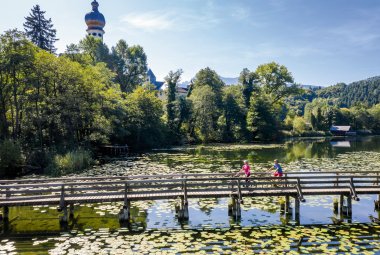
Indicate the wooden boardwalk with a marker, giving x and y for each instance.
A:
(65, 192)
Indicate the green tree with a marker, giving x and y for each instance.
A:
(205, 113)
(95, 49)
(130, 65)
(144, 123)
(40, 30)
(261, 121)
(172, 80)
(299, 124)
(208, 77)
(247, 79)
(16, 62)
(276, 82)
(233, 120)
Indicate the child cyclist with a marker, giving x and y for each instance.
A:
(246, 169)
(278, 168)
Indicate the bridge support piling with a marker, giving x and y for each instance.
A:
(349, 206)
(297, 209)
(335, 206)
(377, 203)
(64, 219)
(71, 215)
(124, 214)
(5, 213)
(183, 210)
(287, 204)
(234, 208)
(341, 206)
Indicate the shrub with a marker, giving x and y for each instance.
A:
(71, 162)
(11, 159)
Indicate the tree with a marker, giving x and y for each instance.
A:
(40, 30)
(144, 112)
(233, 120)
(95, 49)
(172, 80)
(16, 62)
(299, 124)
(130, 65)
(260, 119)
(205, 113)
(247, 79)
(276, 82)
(208, 77)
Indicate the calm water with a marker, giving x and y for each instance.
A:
(154, 228)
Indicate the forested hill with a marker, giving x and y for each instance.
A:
(364, 91)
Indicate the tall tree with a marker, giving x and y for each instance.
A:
(95, 49)
(16, 61)
(276, 81)
(130, 65)
(247, 79)
(205, 113)
(260, 119)
(208, 77)
(172, 80)
(40, 30)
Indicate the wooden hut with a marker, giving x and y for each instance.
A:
(342, 130)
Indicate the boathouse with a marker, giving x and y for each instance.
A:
(341, 130)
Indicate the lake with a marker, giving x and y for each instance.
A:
(154, 228)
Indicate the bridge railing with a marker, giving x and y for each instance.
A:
(52, 191)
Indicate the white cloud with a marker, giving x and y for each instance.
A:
(149, 21)
(173, 20)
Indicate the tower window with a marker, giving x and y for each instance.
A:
(100, 35)
(94, 34)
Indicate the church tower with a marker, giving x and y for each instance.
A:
(95, 21)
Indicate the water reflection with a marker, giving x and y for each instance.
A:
(154, 226)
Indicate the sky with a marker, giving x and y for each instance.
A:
(321, 42)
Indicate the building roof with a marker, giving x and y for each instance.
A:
(340, 128)
(94, 19)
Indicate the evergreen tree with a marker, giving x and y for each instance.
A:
(40, 30)
(172, 80)
(247, 80)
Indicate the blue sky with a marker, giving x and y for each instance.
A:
(321, 42)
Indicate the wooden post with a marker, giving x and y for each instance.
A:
(377, 203)
(230, 206)
(5, 213)
(6, 208)
(341, 201)
(63, 206)
(236, 213)
(287, 204)
(349, 206)
(64, 218)
(297, 210)
(335, 206)
(71, 215)
(124, 214)
(286, 181)
(184, 210)
(62, 201)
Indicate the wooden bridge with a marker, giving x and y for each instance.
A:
(65, 192)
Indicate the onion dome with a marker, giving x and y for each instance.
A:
(95, 20)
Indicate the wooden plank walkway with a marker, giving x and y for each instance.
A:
(69, 191)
